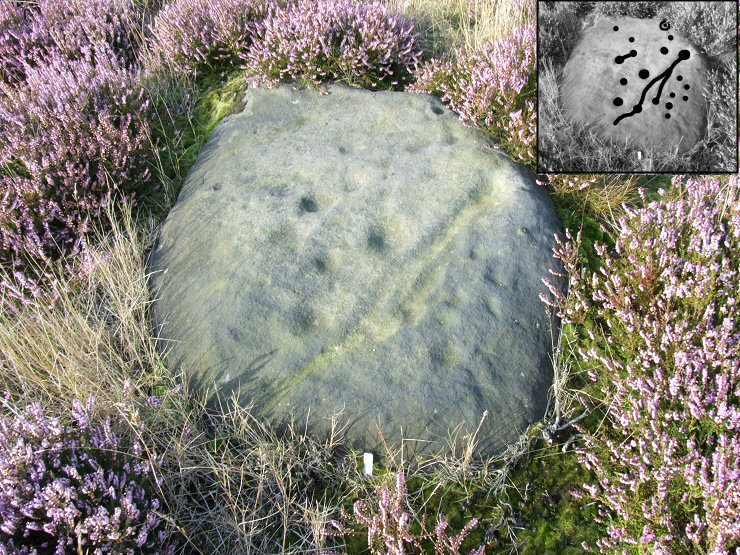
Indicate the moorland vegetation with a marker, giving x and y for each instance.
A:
(104, 106)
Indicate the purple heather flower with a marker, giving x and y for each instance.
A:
(64, 485)
(485, 87)
(74, 135)
(361, 43)
(668, 468)
(388, 524)
(202, 34)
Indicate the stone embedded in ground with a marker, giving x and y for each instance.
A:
(361, 252)
(615, 73)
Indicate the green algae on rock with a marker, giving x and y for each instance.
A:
(364, 252)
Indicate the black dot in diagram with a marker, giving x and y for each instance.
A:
(644, 74)
(664, 50)
(623, 81)
(618, 101)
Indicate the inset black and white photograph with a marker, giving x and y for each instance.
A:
(631, 87)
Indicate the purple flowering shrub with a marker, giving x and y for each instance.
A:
(520, 132)
(205, 34)
(361, 43)
(14, 38)
(661, 327)
(74, 134)
(490, 87)
(389, 530)
(74, 488)
(78, 28)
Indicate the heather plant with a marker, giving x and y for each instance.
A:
(363, 44)
(203, 34)
(490, 87)
(486, 83)
(80, 28)
(74, 487)
(520, 132)
(659, 329)
(77, 29)
(388, 522)
(14, 40)
(75, 135)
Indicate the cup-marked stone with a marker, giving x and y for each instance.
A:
(638, 82)
(363, 252)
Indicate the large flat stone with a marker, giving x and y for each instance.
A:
(638, 82)
(365, 252)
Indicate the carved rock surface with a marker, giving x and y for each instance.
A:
(637, 81)
(365, 252)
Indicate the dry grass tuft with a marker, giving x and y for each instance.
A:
(598, 195)
(93, 337)
(467, 24)
(233, 484)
